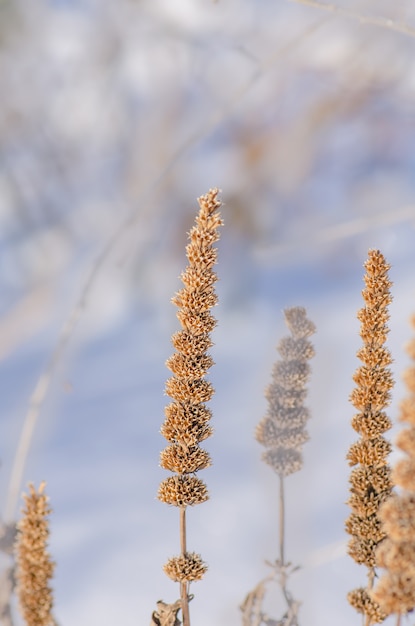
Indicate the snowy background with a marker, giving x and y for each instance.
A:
(114, 118)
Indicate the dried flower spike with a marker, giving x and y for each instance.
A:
(282, 432)
(370, 481)
(187, 417)
(34, 565)
(395, 591)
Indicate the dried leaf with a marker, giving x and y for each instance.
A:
(166, 614)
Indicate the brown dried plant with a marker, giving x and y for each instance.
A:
(7, 576)
(187, 417)
(33, 562)
(370, 480)
(395, 591)
(282, 432)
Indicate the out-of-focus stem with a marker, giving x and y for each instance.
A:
(371, 580)
(283, 579)
(183, 585)
(282, 520)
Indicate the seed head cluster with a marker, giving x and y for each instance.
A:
(187, 417)
(189, 567)
(282, 430)
(395, 591)
(34, 565)
(370, 480)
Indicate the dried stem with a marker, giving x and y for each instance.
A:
(187, 416)
(282, 432)
(283, 572)
(184, 596)
(381, 22)
(183, 529)
(282, 521)
(370, 480)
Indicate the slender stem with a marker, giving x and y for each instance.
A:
(382, 22)
(282, 520)
(183, 585)
(398, 619)
(183, 530)
(283, 578)
(371, 580)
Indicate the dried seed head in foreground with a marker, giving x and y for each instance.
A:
(187, 417)
(186, 423)
(370, 482)
(395, 591)
(34, 565)
(282, 430)
(189, 567)
(363, 603)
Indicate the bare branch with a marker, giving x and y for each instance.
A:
(380, 22)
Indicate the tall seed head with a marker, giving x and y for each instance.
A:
(395, 591)
(370, 480)
(282, 430)
(187, 418)
(34, 565)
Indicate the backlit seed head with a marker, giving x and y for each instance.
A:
(184, 460)
(194, 391)
(282, 429)
(184, 366)
(371, 423)
(369, 452)
(371, 479)
(364, 479)
(395, 593)
(365, 527)
(397, 557)
(191, 345)
(182, 490)
(186, 567)
(398, 517)
(404, 474)
(363, 603)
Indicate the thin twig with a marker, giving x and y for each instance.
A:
(381, 22)
(283, 568)
(42, 386)
(282, 520)
(337, 232)
(35, 404)
(38, 396)
(7, 585)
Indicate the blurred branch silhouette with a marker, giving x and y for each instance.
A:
(369, 20)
